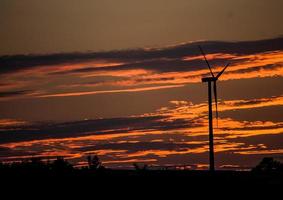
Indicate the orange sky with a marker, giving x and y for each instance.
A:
(144, 105)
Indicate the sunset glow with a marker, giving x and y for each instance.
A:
(124, 81)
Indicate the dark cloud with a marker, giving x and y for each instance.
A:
(269, 140)
(256, 69)
(141, 146)
(255, 128)
(14, 93)
(2, 149)
(251, 102)
(90, 127)
(23, 62)
(270, 113)
(139, 58)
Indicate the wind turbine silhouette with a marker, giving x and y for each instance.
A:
(213, 79)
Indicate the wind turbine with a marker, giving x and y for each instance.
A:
(209, 80)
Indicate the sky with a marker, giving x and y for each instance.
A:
(122, 79)
(53, 26)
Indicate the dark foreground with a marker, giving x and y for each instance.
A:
(61, 174)
(160, 177)
(145, 184)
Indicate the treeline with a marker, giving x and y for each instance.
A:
(61, 166)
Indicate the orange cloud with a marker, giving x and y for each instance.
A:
(260, 65)
(111, 91)
(242, 67)
(210, 57)
(11, 123)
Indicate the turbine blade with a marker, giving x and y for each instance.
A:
(216, 102)
(206, 60)
(220, 73)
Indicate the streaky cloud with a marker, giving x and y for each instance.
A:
(14, 93)
(15, 63)
(111, 91)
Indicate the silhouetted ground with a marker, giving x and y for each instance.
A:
(60, 173)
(195, 177)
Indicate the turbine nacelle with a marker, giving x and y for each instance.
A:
(209, 79)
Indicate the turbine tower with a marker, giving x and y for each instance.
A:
(209, 80)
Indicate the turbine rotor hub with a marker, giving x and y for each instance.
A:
(209, 79)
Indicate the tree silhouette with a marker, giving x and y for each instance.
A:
(94, 162)
(268, 164)
(61, 165)
(140, 168)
